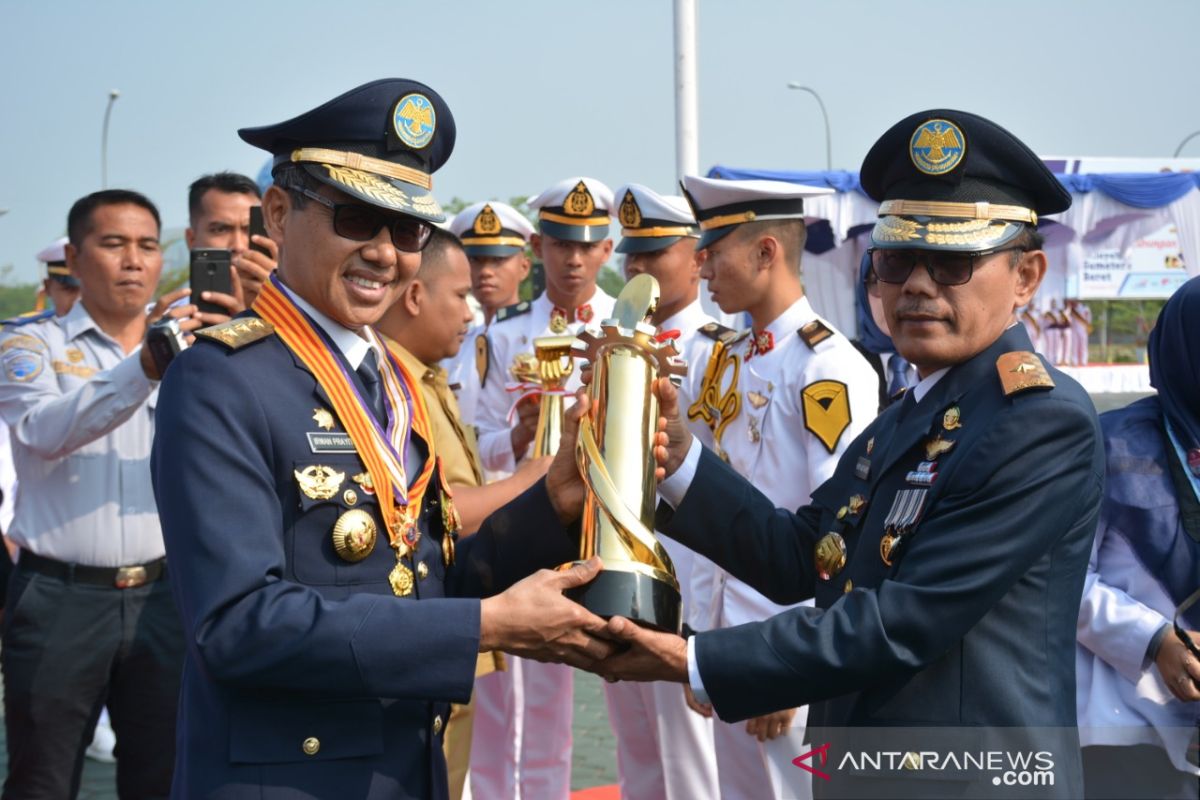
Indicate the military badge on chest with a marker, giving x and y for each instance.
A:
(910, 502)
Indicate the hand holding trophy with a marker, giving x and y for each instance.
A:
(615, 455)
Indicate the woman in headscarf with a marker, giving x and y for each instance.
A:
(1137, 682)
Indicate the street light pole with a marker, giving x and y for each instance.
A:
(112, 98)
(825, 115)
(1186, 139)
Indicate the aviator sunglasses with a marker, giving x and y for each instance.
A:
(362, 223)
(945, 268)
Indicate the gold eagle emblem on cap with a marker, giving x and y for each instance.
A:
(629, 213)
(414, 120)
(937, 146)
(486, 222)
(579, 202)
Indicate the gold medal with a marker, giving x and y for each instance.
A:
(830, 555)
(952, 419)
(848, 587)
(318, 482)
(558, 321)
(363, 479)
(401, 579)
(886, 544)
(354, 535)
(448, 549)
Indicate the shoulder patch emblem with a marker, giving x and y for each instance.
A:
(22, 366)
(516, 310)
(719, 333)
(239, 332)
(482, 357)
(23, 341)
(1021, 370)
(826, 406)
(815, 332)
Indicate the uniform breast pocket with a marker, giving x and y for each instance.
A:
(337, 536)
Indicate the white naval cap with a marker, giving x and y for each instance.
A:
(491, 229)
(54, 256)
(576, 209)
(651, 221)
(721, 205)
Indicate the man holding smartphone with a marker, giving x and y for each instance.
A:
(78, 394)
(220, 211)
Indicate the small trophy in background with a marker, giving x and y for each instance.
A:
(616, 457)
(543, 373)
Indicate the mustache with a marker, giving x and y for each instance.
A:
(919, 310)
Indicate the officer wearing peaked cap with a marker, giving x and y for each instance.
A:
(327, 607)
(573, 218)
(59, 285)
(782, 403)
(494, 236)
(947, 552)
(664, 749)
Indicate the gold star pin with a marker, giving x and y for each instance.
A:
(323, 418)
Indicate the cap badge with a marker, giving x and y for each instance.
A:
(629, 213)
(937, 147)
(414, 120)
(487, 223)
(579, 202)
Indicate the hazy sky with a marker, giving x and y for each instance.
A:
(546, 89)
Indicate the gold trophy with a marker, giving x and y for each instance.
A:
(615, 455)
(547, 368)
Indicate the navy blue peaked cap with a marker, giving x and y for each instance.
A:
(380, 142)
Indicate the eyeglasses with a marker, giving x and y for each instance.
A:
(362, 223)
(944, 267)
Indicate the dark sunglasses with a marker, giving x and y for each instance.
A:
(362, 223)
(944, 267)
(1184, 607)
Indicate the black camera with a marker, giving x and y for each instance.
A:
(165, 340)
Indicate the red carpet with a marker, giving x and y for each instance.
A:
(598, 793)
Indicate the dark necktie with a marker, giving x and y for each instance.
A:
(368, 372)
(898, 368)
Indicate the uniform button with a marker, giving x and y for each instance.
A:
(437, 724)
(422, 570)
(849, 585)
(312, 745)
(350, 497)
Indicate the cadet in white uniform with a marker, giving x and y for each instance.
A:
(800, 394)
(494, 236)
(664, 749)
(533, 760)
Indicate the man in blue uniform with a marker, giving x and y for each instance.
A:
(947, 553)
(310, 537)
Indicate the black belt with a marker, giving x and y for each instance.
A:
(114, 577)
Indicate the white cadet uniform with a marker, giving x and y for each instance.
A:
(787, 442)
(1080, 317)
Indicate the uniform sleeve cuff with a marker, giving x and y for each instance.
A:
(674, 488)
(694, 673)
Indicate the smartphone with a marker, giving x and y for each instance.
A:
(210, 273)
(257, 228)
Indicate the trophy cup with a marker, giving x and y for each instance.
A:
(616, 457)
(544, 372)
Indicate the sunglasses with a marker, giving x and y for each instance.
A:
(362, 223)
(945, 268)
(1178, 625)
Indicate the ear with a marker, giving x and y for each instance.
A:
(524, 267)
(276, 204)
(698, 259)
(535, 244)
(606, 247)
(413, 296)
(1031, 269)
(72, 254)
(189, 236)
(769, 250)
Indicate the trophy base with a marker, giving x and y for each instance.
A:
(650, 603)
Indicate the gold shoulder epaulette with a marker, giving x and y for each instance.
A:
(719, 333)
(815, 332)
(238, 332)
(1021, 370)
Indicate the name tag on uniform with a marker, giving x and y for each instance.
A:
(321, 442)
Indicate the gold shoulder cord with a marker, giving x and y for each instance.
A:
(715, 409)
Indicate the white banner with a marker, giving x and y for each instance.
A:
(1152, 268)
